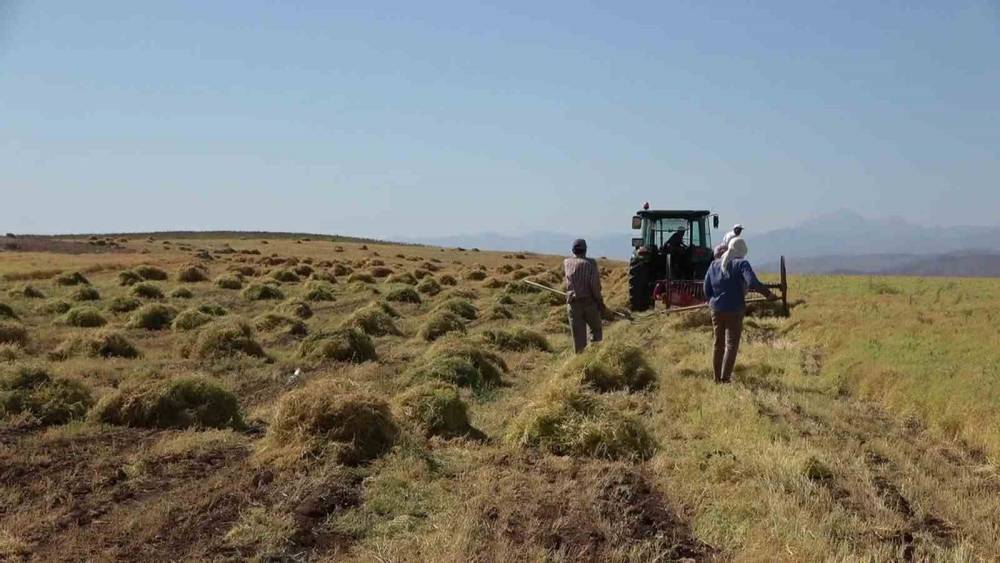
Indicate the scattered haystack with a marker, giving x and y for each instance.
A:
(153, 316)
(104, 344)
(361, 277)
(447, 279)
(13, 333)
(6, 312)
(124, 304)
(295, 308)
(129, 277)
(405, 278)
(223, 338)
(435, 409)
(402, 294)
(178, 402)
(499, 313)
(459, 306)
(342, 345)
(429, 286)
(567, 420)
(27, 291)
(84, 316)
(516, 340)
(57, 307)
(284, 276)
(461, 363)
(190, 319)
(229, 281)
(192, 274)
(277, 322)
(373, 320)
(74, 278)
(612, 366)
(31, 390)
(474, 275)
(319, 290)
(85, 293)
(181, 293)
(261, 292)
(147, 272)
(440, 323)
(352, 428)
(146, 291)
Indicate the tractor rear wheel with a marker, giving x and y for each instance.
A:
(639, 297)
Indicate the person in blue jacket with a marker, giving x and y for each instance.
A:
(726, 283)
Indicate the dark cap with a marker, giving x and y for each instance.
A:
(579, 245)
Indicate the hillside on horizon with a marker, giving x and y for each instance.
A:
(842, 241)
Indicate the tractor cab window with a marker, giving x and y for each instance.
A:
(659, 231)
(700, 236)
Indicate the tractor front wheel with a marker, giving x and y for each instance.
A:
(639, 296)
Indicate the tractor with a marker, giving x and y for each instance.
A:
(671, 255)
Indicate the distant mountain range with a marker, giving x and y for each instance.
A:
(837, 242)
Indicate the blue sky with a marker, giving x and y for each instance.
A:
(434, 118)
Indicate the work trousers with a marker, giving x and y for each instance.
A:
(584, 313)
(728, 331)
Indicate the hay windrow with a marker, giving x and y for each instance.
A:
(190, 319)
(146, 291)
(516, 340)
(459, 306)
(461, 363)
(261, 292)
(277, 322)
(153, 316)
(403, 294)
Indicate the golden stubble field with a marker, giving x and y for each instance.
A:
(438, 413)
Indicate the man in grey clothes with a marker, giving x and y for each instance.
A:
(583, 296)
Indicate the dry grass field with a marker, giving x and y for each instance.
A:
(281, 399)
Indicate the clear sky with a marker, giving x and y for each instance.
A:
(432, 118)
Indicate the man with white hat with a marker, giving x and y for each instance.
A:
(737, 231)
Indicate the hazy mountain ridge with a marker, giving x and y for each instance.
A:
(837, 242)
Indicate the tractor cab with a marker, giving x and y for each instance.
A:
(673, 249)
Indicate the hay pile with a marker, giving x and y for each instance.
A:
(223, 338)
(440, 323)
(429, 286)
(284, 276)
(104, 344)
(146, 291)
(373, 320)
(74, 278)
(295, 308)
(192, 274)
(124, 304)
(85, 293)
(179, 402)
(229, 281)
(352, 428)
(148, 272)
(516, 340)
(435, 409)
(27, 291)
(6, 312)
(461, 363)
(190, 319)
(279, 323)
(459, 306)
(318, 290)
(612, 366)
(181, 293)
(261, 292)
(31, 390)
(84, 316)
(404, 278)
(342, 345)
(154, 316)
(567, 420)
(13, 333)
(403, 294)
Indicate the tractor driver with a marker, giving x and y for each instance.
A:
(678, 252)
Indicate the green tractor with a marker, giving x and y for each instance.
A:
(673, 251)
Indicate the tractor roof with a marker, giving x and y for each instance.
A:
(672, 213)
